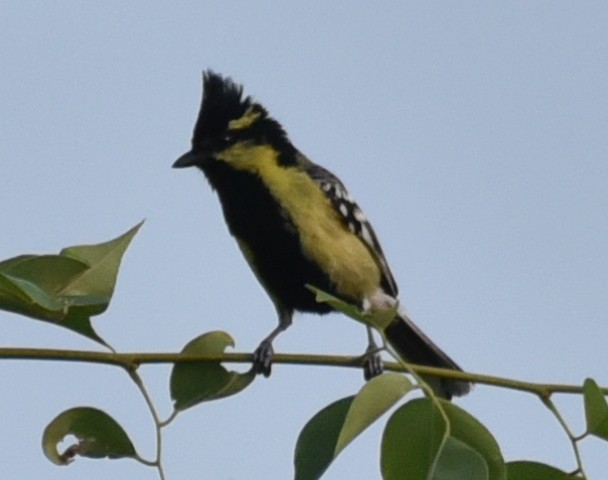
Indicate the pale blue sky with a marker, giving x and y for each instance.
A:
(473, 134)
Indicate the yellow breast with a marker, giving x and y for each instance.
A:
(324, 236)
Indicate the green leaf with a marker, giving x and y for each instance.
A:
(379, 319)
(347, 309)
(383, 318)
(524, 470)
(193, 383)
(65, 289)
(419, 444)
(412, 441)
(373, 400)
(331, 429)
(468, 430)
(17, 294)
(50, 272)
(98, 435)
(457, 460)
(30, 284)
(596, 409)
(317, 440)
(104, 261)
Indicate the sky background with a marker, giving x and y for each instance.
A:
(473, 134)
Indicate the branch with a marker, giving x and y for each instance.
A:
(133, 360)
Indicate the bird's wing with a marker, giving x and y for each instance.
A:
(353, 217)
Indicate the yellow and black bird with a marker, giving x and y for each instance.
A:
(296, 224)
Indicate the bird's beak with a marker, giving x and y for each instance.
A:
(187, 160)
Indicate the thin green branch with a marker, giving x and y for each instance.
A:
(133, 360)
(172, 417)
(157, 423)
(573, 439)
(147, 463)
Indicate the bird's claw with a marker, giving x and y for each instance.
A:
(372, 364)
(262, 358)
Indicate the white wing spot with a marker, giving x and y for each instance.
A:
(344, 210)
(359, 215)
(366, 235)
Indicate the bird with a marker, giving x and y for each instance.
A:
(298, 226)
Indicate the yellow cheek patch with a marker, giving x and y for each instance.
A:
(248, 119)
(248, 157)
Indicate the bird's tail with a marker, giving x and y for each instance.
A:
(415, 347)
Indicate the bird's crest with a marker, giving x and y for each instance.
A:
(222, 103)
(225, 111)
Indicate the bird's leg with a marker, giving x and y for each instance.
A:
(372, 366)
(262, 357)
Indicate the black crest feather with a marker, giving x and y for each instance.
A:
(222, 102)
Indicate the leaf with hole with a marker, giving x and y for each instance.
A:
(97, 436)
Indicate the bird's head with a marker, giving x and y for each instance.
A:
(231, 126)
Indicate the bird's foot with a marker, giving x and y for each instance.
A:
(372, 363)
(262, 358)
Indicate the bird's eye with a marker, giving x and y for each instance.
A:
(228, 137)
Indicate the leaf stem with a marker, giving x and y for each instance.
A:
(546, 399)
(157, 423)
